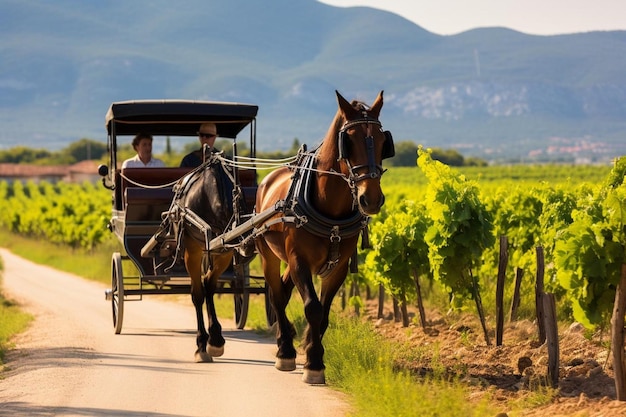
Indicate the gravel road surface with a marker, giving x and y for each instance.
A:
(70, 362)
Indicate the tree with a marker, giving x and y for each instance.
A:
(406, 153)
(23, 155)
(450, 157)
(85, 149)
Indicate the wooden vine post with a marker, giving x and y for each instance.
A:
(552, 337)
(420, 301)
(519, 274)
(538, 295)
(396, 310)
(381, 301)
(617, 337)
(502, 264)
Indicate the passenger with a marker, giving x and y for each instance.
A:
(142, 144)
(206, 135)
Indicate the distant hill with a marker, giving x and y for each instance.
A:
(493, 93)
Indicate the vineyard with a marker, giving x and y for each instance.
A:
(444, 233)
(439, 226)
(75, 215)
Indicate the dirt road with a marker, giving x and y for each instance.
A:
(70, 362)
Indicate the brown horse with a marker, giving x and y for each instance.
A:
(330, 193)
(208, 193)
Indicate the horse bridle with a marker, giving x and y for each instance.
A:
(374, 170)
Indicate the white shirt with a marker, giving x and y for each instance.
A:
(135, 162)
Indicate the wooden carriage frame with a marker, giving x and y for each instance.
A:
(141, 196)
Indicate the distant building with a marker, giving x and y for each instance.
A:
(79, 172)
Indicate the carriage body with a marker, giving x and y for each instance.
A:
(140, 197)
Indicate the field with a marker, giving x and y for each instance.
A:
(452, 347)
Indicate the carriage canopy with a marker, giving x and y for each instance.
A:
(177, 117)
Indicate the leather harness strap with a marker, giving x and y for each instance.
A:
(299, 204)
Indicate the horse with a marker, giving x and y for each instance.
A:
(207, 193)
(331, 194)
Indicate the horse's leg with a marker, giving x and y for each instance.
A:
(314, 312)
(216, 340)
(280, 289)
(193, 263)
(317, 312)
(330, 287)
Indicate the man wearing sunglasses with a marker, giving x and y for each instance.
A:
(206, 135)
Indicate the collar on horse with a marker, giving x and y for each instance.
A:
(298, 203)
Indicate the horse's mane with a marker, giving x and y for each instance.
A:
(359, 105)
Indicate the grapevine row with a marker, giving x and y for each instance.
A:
(445, 233)
(441, 228)
(75, 215)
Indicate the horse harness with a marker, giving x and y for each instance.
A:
(298, 201)
(298, 204)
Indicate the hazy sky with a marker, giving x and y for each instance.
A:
(536, 17)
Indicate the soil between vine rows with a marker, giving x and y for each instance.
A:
(512, 371)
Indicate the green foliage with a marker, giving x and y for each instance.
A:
(550, 206)
(406, 151)
(12, 321)
(362, 363)
(70, 214)
(399, 249)
(85, 149)
(616, 176)
(437, 224)
(75, 152)
(461, 227)
(450, 157)
(22, 154)
(589, 252)
(405, 155)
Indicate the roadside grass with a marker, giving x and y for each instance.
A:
(94, 265)
(12, 321)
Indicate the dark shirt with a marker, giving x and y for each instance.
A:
(192, 160)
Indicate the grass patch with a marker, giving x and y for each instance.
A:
(362, 364)
(94, 265)
(12, 321)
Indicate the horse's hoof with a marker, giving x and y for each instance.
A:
(285, 364)
(313, 377)
(215, 351)
(200, 357)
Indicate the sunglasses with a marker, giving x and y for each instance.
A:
(206, 135)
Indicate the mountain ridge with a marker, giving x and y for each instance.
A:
(493, 92)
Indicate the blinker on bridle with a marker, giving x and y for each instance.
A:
(373, 169)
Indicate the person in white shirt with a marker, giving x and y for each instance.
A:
(142, 144)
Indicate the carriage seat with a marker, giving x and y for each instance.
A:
(248, 182)
(146, 204)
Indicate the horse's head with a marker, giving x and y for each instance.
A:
(210, 197)
(362, 145)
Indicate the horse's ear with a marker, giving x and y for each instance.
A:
(345, 107)
(377, 106)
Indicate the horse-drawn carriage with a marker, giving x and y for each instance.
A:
(142, 196)
(304, 219)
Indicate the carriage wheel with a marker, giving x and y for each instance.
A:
(269, 310)
(242, 303)
(117, 292)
